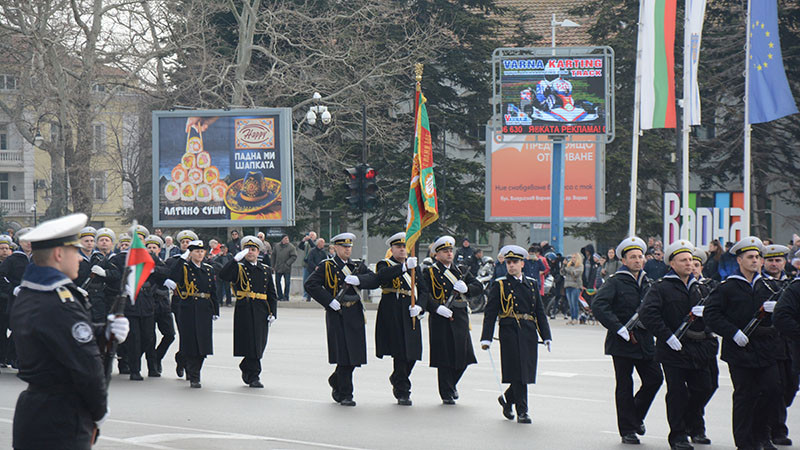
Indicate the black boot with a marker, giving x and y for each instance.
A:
(506, 407)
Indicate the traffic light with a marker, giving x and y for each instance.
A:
(354, 186)
(370, 186)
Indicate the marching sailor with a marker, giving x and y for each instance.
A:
(515, 300)
(398, 332)
(256, 307)
(59, 345)
(444, 286)
(627, 341)
(334, 284)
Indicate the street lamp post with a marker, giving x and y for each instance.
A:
(37, 141)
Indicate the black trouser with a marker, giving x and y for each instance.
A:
(193, 366)
(448, 379)
(166, 327)
(517, 393)
(695, 420)
(756, 396)
(401, 384)
(140, 340)
(3, 336)
(687, 390)
(788, 380)
(224, 290)
(341, 380)
(632, 409)
(251, 369)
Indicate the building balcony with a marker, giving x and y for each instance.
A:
(11, 158)
(15, 207)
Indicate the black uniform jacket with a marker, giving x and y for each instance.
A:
(59, 356)
(347, 339)
(665, 307)
(729, 309)
(196, 303)
(617, 300)
(12, 270)
(93, 284)
(152, 289)
(777, 286)
(256, 300)
(450, 341)
(522, 321)
(396, 334)
(787, 320)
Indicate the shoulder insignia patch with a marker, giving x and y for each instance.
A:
(65, 295)
(82, 332)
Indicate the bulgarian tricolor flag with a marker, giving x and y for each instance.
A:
(657, 62)
(139, 264)
(423, 209)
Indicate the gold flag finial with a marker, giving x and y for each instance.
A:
(418, 69)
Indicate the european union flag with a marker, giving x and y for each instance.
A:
(770, 97)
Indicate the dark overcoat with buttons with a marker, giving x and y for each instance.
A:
(250, 325)
(96, 286)
(197, 303)
(58, 353)
(519, 336)
(346, 330)
(450, 341)
(396, 334)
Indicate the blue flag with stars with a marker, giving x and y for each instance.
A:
(770, 97)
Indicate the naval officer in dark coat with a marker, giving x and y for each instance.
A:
(256, 307)
(335, 284)
(444, 286)
(515, 300)
(398, 331)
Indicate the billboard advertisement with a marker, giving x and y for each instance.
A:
(223, 168)
(518, 179)
(712, 215)
(554, 95)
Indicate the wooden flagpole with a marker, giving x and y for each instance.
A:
(418, 70)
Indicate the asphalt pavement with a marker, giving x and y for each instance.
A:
(572, 403)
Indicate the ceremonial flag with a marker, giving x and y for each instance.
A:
(423, 208)
(657, 58)
(769, 96)
(140, 263)
(693, 32)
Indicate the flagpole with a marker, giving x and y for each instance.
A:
(636, 113)
(418, 68)
(687, 106)
(746, 181)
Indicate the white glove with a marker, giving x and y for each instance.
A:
(547, 344)
(214, 317)
(624, 334)
(103, 419)
(185, 255)
(169, 284)
(460, 286)
(697, 311)
(414, 311)
(119, 327)
(444, 311)
(240, 256)
(99, 271)
(769, 306)
(674, 343)
(411, 262)
(740, 338)
(16, 290)
(335, 305)
(486, 344)
(352, 280)
(271, 319)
